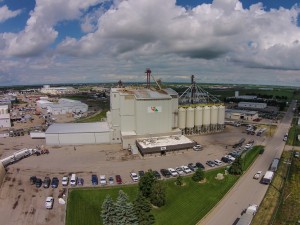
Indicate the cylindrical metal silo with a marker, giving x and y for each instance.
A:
(190, 118)
(206, 116)
(206, 119)
(198, 116)
(221, 117)
(214, 115)
(181, 118)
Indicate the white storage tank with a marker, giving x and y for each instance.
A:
(198, 116)
(221, 115)
(190, 117)
(181, 118)
(206, 116)
(214, 115)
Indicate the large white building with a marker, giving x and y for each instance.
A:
(4, 116)
(46, 89)
(137, 113)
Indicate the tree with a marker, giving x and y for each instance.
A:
(146, 183)
(108, 212)
(198, 175)
(142, 208)
(125, 213)
(179, 181)
(158, 194)
(237, 167)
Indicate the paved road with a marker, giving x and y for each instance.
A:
(247, 190)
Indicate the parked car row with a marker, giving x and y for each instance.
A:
(103, 181)
(46, 183)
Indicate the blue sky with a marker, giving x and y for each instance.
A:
(220, 41)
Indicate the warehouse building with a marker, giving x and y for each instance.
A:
(46, 89)
(240, 114)
(78, 133)
(4, 116)
(252, 105)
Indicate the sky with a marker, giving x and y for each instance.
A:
(95, 41)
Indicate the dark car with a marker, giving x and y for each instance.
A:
(94, 179)
(46, 182)
(200, 165)
(32, 180)
(80, 181)
(118, 179)
(165, 172)
(38, 182)
(54, 182)
(210, 163)
(192, 167)
(225, 160)
(141, 173)
(156, 174)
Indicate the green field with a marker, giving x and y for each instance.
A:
(250, 156)
(185, 205)
(95, 118)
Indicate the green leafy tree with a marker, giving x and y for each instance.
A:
(142, 208)
(108, 212)
(146, 183)
(125, 212)
(236, 167)
(158, 194)
(179, 181)
(198, 175)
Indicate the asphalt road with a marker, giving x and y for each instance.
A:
(248, 190)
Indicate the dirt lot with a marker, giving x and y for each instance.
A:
(22, 203)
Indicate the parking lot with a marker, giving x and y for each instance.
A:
(22, 203)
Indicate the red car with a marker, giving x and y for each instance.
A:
(118, 179)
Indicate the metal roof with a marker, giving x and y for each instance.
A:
(63, 128)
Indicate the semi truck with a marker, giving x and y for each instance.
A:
(18, 155)
(267, 179)
(247, 217)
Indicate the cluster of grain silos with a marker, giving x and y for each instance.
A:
(205, 119)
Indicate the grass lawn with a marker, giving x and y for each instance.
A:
(293, 134)
(250, 156)
(95, 118)
(185, 205)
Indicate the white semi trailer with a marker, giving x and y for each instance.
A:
(247, 217)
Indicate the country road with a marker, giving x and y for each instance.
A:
(248, 190)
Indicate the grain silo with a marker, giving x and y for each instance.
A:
(221, 117)
(190, 120)
(108, 116)
(181, 119)
(198, 119)
(206, 119)
(213, 118)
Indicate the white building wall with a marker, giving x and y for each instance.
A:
(149, 122)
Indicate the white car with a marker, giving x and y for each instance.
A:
(103, 180)
(65, 181)
(179, 170)
(257, 175)
(186, 169)
(173, 172)
(231, 158)
(134, 177)
(218, 162)
(248, 146)
(49, 202)
(197, 147)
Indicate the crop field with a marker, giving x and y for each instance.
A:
(186, 204)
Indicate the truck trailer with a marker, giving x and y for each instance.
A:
(247, 217)
(267, 179)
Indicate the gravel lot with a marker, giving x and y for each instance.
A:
(22, 203)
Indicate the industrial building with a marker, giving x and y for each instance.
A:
(46, 89)
(252, 105)
(145, 120)
(4, 116)
(241, 114)
(62, 107)
(78, 133)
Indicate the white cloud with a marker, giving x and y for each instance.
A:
(216, 41)
(6, 14)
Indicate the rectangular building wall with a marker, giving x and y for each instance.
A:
(153, 116)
